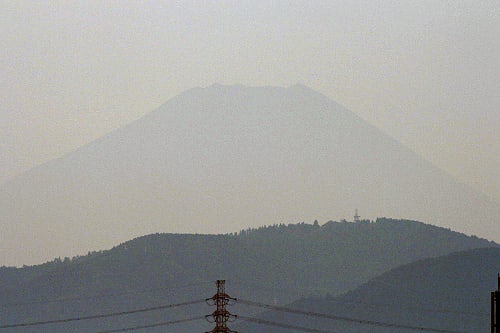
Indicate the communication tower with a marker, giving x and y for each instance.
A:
(356, 216)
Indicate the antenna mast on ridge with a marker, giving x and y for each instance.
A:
(356, 216)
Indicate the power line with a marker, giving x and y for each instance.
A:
(412, 308)
(79, 298)
(272, 323)
(349, 319)
(370, 304)
(114, 314)
(165, 323)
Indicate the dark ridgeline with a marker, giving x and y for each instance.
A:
(276, 265)
(448, 293)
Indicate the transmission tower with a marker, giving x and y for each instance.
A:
(495, 309)
(356, 216)
(221, 316)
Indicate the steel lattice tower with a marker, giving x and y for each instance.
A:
(221, 316)
(495, 309)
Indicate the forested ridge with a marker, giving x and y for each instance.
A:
(448, 293)
(278, 263)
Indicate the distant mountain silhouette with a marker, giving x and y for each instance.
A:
(274, 264)
(448, 293)
(219, 159)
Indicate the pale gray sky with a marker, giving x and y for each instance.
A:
(425, 72)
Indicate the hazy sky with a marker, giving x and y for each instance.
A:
(425, 72)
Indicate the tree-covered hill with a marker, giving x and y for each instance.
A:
(449, 293)
(279, 264)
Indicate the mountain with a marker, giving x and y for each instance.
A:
(450, 293)
(280, 264)
(219, 159)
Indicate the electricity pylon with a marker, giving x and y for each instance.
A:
(221, 316)
(495, 309)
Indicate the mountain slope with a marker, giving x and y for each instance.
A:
(222, 158)
(448, 293)
(273, 264)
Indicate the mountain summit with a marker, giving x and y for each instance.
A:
(223, 158)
